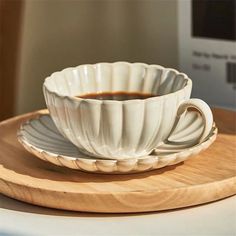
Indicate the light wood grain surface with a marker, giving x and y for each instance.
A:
(206, 177)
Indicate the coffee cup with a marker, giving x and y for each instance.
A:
(120, 110)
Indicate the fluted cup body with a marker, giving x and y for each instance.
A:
(116, 129)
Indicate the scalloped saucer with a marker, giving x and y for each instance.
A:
(41, 137)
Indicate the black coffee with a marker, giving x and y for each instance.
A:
(119, 96)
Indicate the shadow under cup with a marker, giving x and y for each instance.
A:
(110, 128)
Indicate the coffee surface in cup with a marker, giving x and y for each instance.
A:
(118, 96)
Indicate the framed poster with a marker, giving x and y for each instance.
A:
(207, 49)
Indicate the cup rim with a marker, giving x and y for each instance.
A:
(159, 97)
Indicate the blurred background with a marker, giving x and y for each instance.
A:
(38, 37)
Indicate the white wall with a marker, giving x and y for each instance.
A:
(59, 34)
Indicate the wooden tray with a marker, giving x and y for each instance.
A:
(207, 177)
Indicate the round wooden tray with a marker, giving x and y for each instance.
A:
(206, 177)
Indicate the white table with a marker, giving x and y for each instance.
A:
(18, 219)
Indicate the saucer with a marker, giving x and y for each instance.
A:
(40, 137)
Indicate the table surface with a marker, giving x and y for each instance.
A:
(217, 218)
(18, 219)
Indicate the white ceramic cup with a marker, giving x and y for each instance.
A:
(120, 129)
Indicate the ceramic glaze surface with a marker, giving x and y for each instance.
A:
(118, 129)
(40, 137)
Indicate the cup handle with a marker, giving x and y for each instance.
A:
(205, 112)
